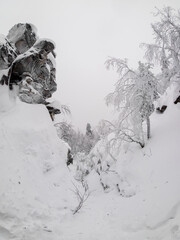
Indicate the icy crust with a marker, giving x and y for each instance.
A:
(34, 179)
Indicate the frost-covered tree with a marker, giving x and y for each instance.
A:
(146, 93)
(78, 141)
(65, 131)
(166, 49)
(133, 98)
(103, 129)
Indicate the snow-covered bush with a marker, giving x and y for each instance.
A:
(100, 164)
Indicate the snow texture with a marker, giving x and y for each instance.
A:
(35, 183)
(2, 39)
(151, 178)
(34, 180)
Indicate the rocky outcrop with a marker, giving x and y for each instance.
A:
(7, 53)
(53, 110)
(7, 56)
(28, 62)
(177, 100)
(22, 37)
(35, 73)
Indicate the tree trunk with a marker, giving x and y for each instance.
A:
(148, 127)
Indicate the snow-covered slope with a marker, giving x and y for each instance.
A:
(151, 176)
(35, 184)
(34, 179)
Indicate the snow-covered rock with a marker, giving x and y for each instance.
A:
(7, 53)
(34, 73)
(29, 62)
(22, 36)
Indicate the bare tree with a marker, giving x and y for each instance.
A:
(81, 196)
(65, 110)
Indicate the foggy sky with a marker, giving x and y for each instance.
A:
(86, 32)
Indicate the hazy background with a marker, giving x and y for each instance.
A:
(86, 32)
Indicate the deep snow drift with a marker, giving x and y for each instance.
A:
(34, 179)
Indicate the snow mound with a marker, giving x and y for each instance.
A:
(34, 179)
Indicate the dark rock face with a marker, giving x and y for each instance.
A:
(29, 63)
(52, 110)
(7, 53)
(162, 109)
(69, 157)
(22, 37)
(34, 72)
(177, 100)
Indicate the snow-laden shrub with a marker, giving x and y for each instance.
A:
(101, 165)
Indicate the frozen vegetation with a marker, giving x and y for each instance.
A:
(119, 180)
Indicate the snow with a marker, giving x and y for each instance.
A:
(152, 174)
(45, 39)
(6, 103)
(4, 72)
(34, 49)
(52, 59)
(2, 39)
(54, 103)
(34, 179)
(35, 183)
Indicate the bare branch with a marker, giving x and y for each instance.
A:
(65, 110)
(82, 197)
